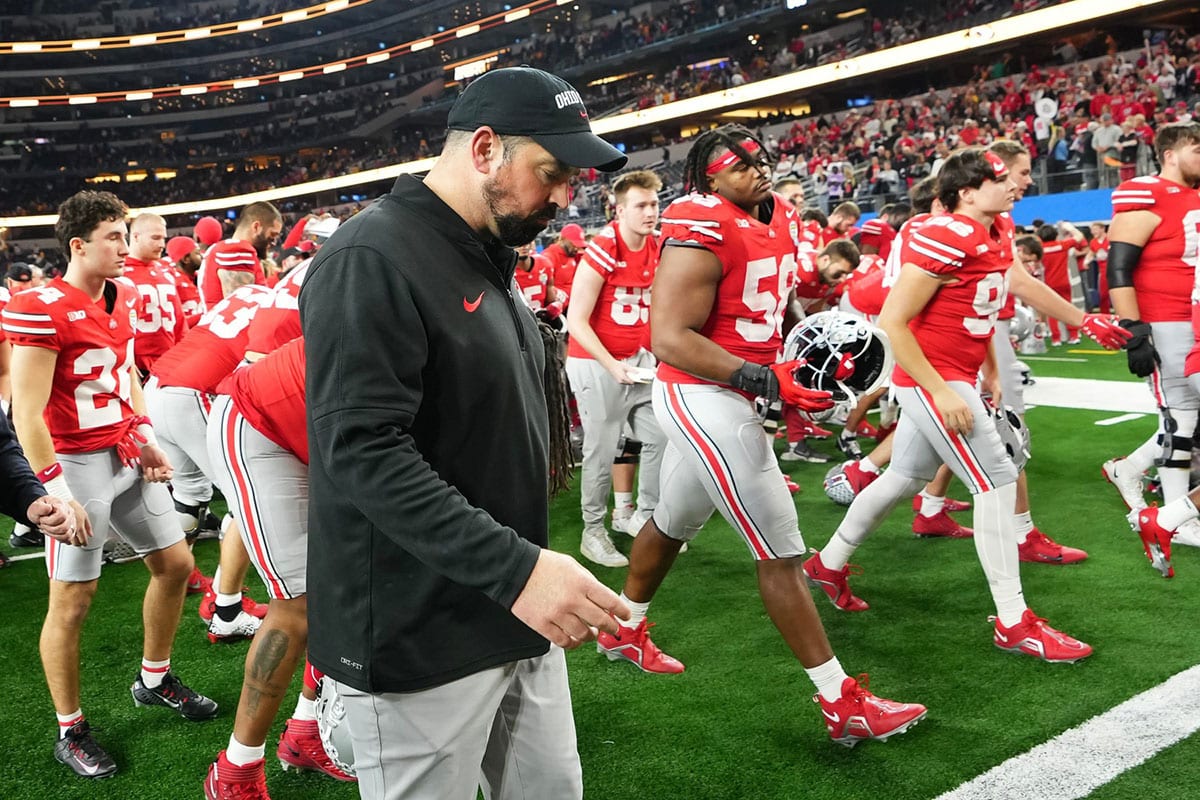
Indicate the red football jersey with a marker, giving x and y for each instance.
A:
(89, 406)
(189, 294)
(864, 287)
(562, 266)
(212, 349)
(1055, 257)
(954, 328)
(879, 234)
(279, 320)
(758, 262)
(161, 323)
(270, 394)
(1008, 229)
(533, 282)
(1166, 271)
(621, 316)
(233, 255)
(5, 296)
(893, 263)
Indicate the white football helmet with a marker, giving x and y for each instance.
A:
(1013, 433)
(331, 724)
(843, 355)
(837, 486)
(1020, 327)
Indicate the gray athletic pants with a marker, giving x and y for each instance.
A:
(508, 729)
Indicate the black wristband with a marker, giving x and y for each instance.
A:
(757, 379)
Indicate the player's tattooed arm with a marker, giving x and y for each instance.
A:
(232, 280)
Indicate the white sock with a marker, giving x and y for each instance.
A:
(1174, 482)
(828, 678)
(996, 546)
(623, 499)
(240, 754)
(227, 600)
(1143, 458)
(216, 582)
(1177, 512)
(637, 612)
(305, 708)
(931, 504)
(1023, 523)
(153, 672)
(837, 552)
(868, 466)
(67, 721)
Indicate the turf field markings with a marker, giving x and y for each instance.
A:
(28, 556)
(1055, 358)
(1118, 397)
(1119, 420)
(1078, 761)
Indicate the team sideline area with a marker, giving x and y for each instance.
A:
(740, 722)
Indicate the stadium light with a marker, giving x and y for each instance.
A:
(1041, 21)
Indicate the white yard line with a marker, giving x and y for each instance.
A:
(1076, 762)
(1118, 420)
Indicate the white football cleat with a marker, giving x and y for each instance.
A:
(1127, 481)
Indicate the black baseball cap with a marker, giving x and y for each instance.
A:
(523, 101)
(20, 272)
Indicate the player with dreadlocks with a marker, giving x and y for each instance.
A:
(720, 292)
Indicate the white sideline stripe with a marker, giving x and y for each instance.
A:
(1120, 397)
(1118, 420)
(1078, 761)
(28, 556)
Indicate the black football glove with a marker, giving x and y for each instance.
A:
(1140, 347)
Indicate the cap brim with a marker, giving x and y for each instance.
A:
(582, 149)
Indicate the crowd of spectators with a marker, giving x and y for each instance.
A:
(875, 152)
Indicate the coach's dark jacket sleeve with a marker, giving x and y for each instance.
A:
(19, 487)
(428, 440)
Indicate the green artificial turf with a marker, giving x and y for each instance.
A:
(740, 722)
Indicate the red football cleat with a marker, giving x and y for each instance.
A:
(1032, 636)
(835, 583)
(811, 430)
(1038, 548)
(859, 715)
(867, 429)
(634, 645)
(793, 487)
(1156, 541)
(227, 782)
(941, 524)
(300, 748)
(198, 583)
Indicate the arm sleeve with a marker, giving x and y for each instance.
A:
(365, 388)
(18, 485)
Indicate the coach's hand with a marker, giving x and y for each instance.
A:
(52, 515)
(565, 603)
(1140, 347)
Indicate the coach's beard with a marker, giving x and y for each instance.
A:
(515, 230)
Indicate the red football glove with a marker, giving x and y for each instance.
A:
(1105, 330)
(129, 448)
(799, 396)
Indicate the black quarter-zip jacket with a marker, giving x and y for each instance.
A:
(428, 437)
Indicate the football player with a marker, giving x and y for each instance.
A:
(1152, 261)
(1056, 252)
(563, 257)
(236, 261)
(258, 442)
(81, 422)
(183, 260)
(161, 322)
(608, 358)
(728, 262)
(939, 317)
(178, 397)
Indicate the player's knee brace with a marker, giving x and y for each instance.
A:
(1177, 441)
(190, 517)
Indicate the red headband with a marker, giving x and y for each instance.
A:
(998, 166)
(729, 158)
